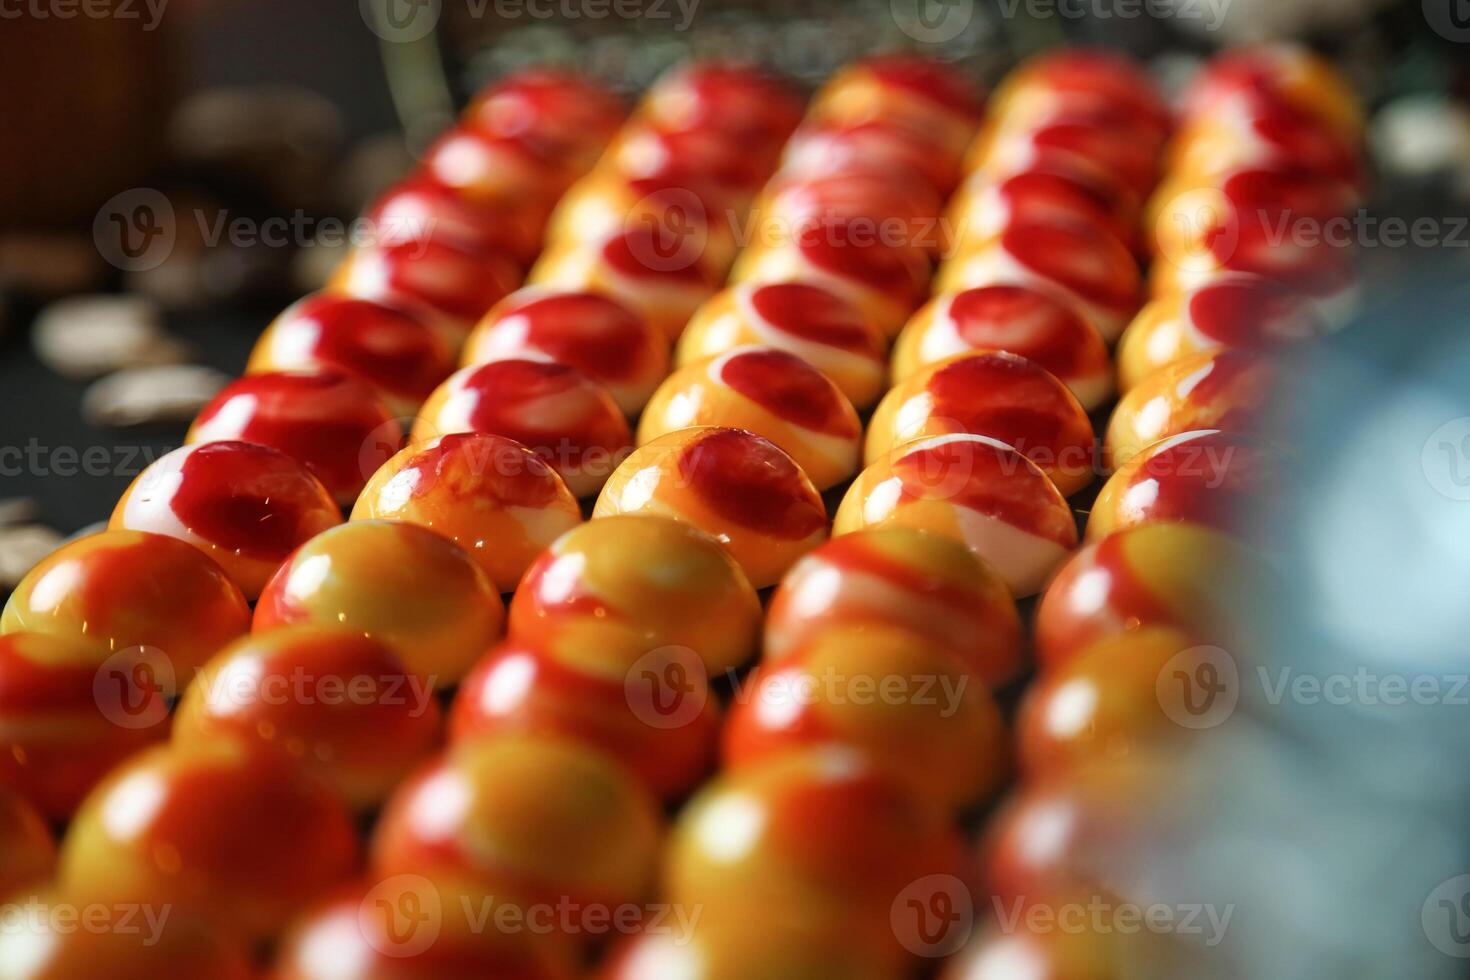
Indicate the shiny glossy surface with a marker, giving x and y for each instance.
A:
(976, 490)
(403, 927)
(738, 99)
(990, 393)
(886, 692)
(244, 505)
(1102, 146)
(645, 152)
(885, 280)
(659, 719)
(660, 276)
(1060, 841)
(524, 819)
(1256, 129)
(770, 392)
(1238, 312)
(68, 714)
(731, 484)
(419, 206)
(1221, 389)
(811, 321)
(981, 210)
(490, 495)
(497, 168)
(122, 589)
(884, 148)
(932, 99)
(794, 205)
(1287, 73)
(897, 577)
(1079, 78)
(27, 849)
(1206, 477)
(1103, 704)
(1079, 264)
(120, 942)
(414, 590)
(448, 284)
(572, 116)
(233, 832)
(1175, 575)
(340, 704)
(614, 590)
(1204, 228)
(1033, 324)
(818, 844)
(595, 334)
(334, 425)
(673, 203)
(555, 411)
(396, 353)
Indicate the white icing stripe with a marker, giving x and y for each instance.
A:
(1024, 560)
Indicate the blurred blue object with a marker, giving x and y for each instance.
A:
(1333, 817)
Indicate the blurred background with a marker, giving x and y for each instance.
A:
(137, 133)
(230, 110)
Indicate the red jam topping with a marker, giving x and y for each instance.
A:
(790, 388)
(812, 313)
(750, 482)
